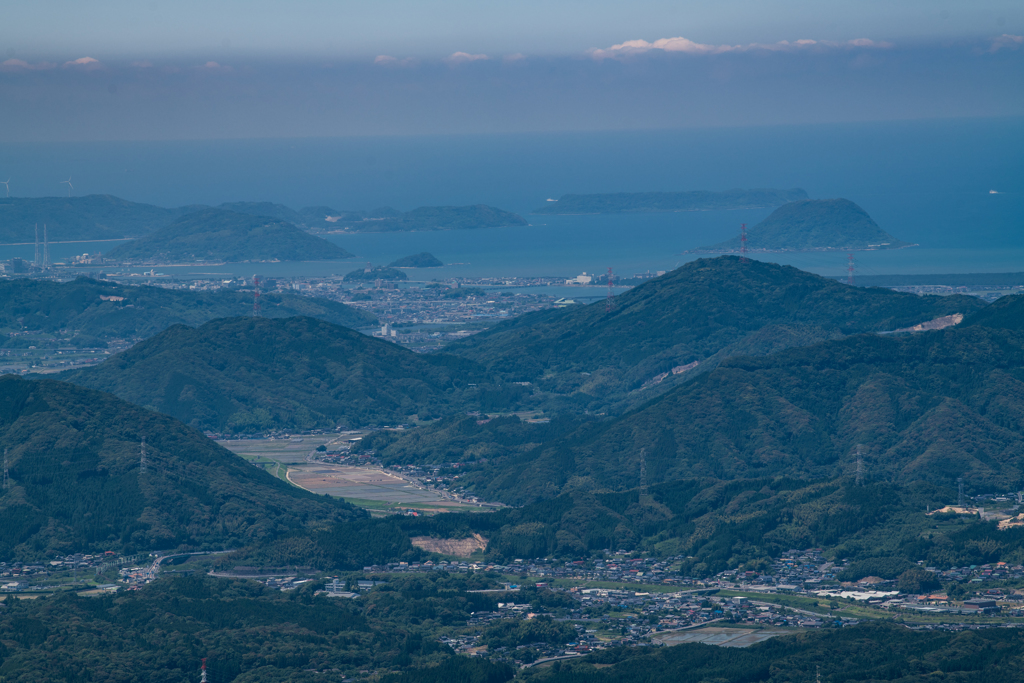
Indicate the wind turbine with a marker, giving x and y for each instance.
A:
(7, 184)
(70, 186)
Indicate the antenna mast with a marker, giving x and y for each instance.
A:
(256, 297)
(203, 679)
(142, 457)
(849, 269)
(46, 248)
(608, 301)
(960, 492)
(643, 475)
(38, 260)
(743, 242)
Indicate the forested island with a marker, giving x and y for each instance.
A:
(655, 202)
(369, 274)
(221, 235)
(421, 260)
(813, 225)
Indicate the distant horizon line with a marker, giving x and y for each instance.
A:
(521, 133)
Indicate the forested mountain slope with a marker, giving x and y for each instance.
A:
(220, 235)
(1006, 312)
(701, 312)
(92, 217)
(77, 484)
(931, 406)
(255, 374)
(101, 311)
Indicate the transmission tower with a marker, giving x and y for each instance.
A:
(608, 300)
(203, 670)
(849, 269)
(142, 457)
(38, 261)
(860, 467)
(643, 475)
(7, 479)
(743, 243)
(960, 492)
(256, 297)
(46, 248)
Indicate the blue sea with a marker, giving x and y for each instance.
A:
(925, 182)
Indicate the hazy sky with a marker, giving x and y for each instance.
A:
(145, 29)
(253, 68)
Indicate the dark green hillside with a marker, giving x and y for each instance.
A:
(93, 217)
(246, 631)
(434, 218)
(421, 260)
(105, 311)
(219, 235)
(814, 224)
(255, 374)
(702, 311)
(646, 202)
(865, 652)
(932, 406)
(1006, 312)
(76, 483)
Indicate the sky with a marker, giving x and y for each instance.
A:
(155, 70)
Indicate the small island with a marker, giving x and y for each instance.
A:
(421, 260)
(220, 235)
(664, 202)
(813, 225)
(378, 273)
(427, 218)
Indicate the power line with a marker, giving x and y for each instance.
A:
(643, 475)
(860, 467)
(256, 297)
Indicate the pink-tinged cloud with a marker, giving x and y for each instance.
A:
(143, 65)
(1006, 42)
(84, 62)
(687, 46)
(215, 66)
(463, 57)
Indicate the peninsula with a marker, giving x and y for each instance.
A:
(428, 218)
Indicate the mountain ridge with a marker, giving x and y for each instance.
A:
(220, 235)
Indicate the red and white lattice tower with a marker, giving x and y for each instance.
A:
(849, 269)
(203, 670)
(256, 297)
(743, 242)
(608, 299)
